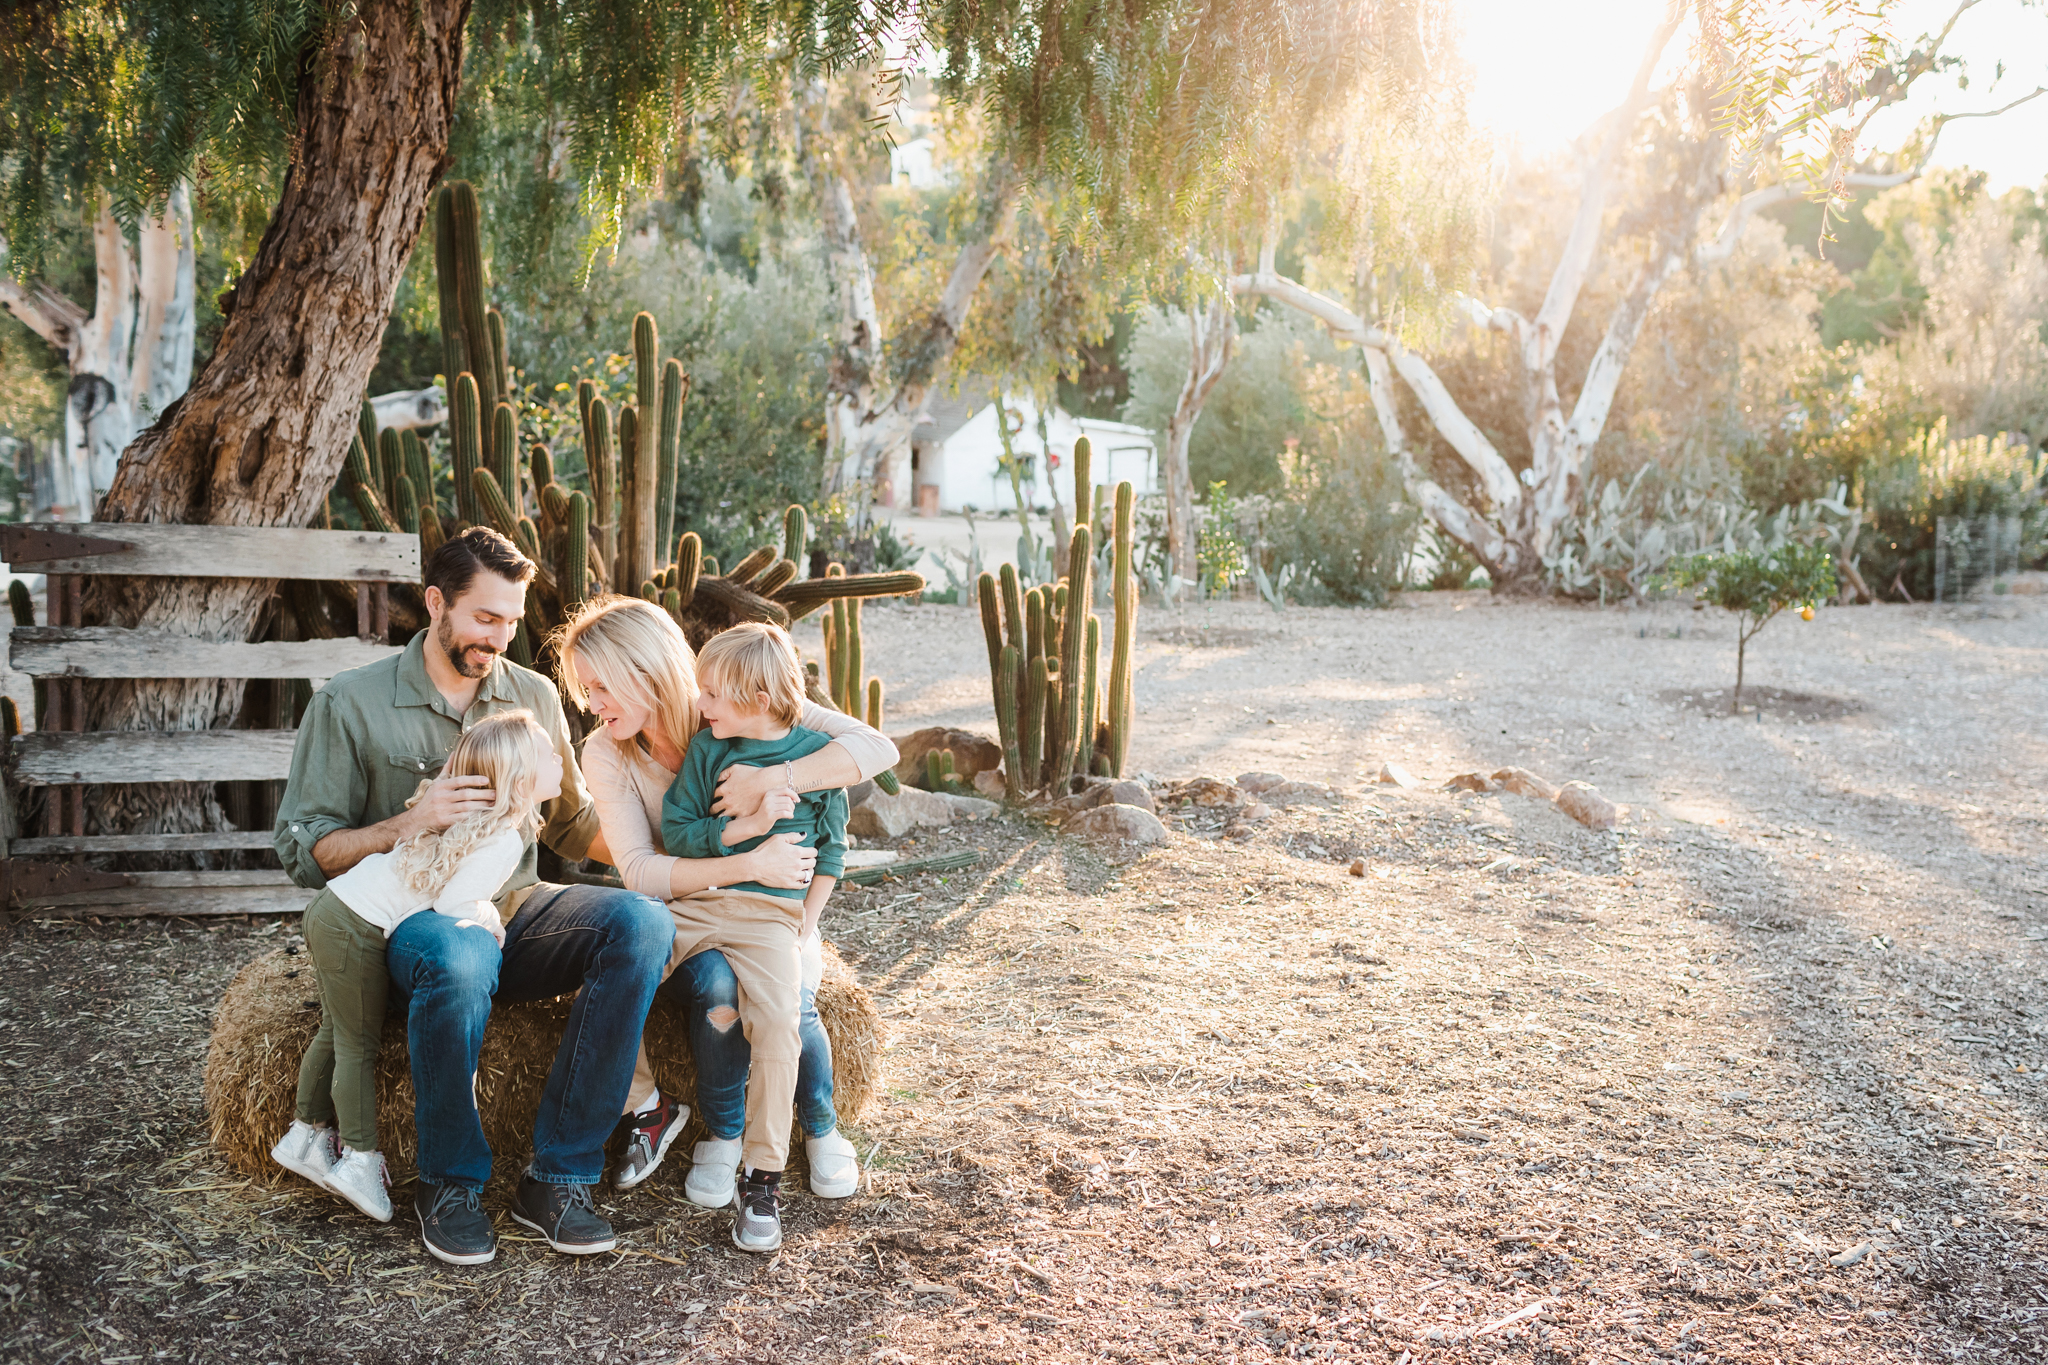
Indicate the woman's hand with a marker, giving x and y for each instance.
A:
(783, 862)
(742, 787)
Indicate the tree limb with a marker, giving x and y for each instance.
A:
(45, 312)
(1539, 345)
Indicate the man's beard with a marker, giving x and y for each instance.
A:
(458, 658)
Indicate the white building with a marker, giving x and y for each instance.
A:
(956, 454)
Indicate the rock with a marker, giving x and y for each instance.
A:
(1257, 783)
(1472, 782)
(1394, 775)
(1522, 782)
(972, 754)
(1125, 792)
(1584, 803)
(989, 782)
(1358, 867)
(883, 816)
(1128, 823)
(1206, 791)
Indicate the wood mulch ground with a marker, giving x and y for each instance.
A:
(1752, 1078)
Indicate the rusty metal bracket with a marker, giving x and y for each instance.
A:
(25, 879)
(21, 545)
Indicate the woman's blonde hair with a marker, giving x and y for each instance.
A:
(507, 749)
(640, 653)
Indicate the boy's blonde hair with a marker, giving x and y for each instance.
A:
(638, 651)
(754, 658)
(507, 749)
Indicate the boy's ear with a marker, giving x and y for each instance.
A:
(763, 702)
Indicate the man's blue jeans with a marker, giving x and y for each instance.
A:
(609, 945)
(705, 985)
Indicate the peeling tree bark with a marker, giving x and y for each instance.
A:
(259, 438)
(129, 359)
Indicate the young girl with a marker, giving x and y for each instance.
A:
(454, 873)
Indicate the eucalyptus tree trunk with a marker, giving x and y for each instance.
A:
(259, 437)
(1212, 334)
(130, 359)
(871, 414)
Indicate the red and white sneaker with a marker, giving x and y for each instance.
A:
(651, 1133)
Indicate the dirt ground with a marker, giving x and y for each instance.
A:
(1753, 1078)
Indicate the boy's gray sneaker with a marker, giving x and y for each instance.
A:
(563, 1215)
(757, 1212)
(308, 1151)
(453, 1224)
(360, 1178)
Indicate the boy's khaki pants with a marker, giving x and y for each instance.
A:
(758, 935)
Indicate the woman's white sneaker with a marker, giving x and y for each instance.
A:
(835, 1166)
(308, 1151)
(360, 1178)
(714, 1173)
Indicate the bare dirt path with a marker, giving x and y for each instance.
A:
(1754, 1078)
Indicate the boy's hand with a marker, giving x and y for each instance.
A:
(741, 788)
(776, 805)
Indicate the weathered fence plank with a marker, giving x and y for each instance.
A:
(210, 551)
(109, 652)
(51, 758)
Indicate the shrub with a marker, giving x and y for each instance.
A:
(1345, 527)
(1935, 477)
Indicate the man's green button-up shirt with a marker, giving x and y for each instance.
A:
(372, 734)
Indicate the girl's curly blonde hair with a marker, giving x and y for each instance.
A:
(506, 749)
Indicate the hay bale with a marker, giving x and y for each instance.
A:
(272, 1010)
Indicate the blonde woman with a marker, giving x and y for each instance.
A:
(455, 873)
(625, 661)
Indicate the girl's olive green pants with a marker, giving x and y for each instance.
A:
(338, 1076)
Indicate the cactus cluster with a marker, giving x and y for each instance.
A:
(620, 535)
(1054, 714)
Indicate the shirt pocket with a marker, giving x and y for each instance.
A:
(418, 766)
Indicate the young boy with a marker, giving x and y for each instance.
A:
(750, 696)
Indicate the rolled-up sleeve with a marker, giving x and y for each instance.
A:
(870, 749)
(570, 826)
(325, 792)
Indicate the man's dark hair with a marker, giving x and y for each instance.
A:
(454, 566)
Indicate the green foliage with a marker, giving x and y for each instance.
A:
(1345, 528)
(1936, 477)
(1219, 557)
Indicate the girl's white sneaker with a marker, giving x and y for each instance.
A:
(308, 1151)
(714, 1173)
(360, 1178)
(835, 1166)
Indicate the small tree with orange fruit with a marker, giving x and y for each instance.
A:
(1756, 587)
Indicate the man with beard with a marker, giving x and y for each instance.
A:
(371, 739)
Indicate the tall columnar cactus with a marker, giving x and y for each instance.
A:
(575, 552)
(689, 561)
(466, 438)
(1009, 667)
(1084, 486)
(597, 455)
(675, 387)
(362, 487)
(1124, 600)
(874, 703)
(1031, 719)
(634, 560)
(447, 275)
(1073, 658)
(796, 535)
(1002, 666)
(504, 448)
(390, 465)
(1091, 663)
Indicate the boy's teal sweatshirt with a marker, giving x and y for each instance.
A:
(690, 830)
